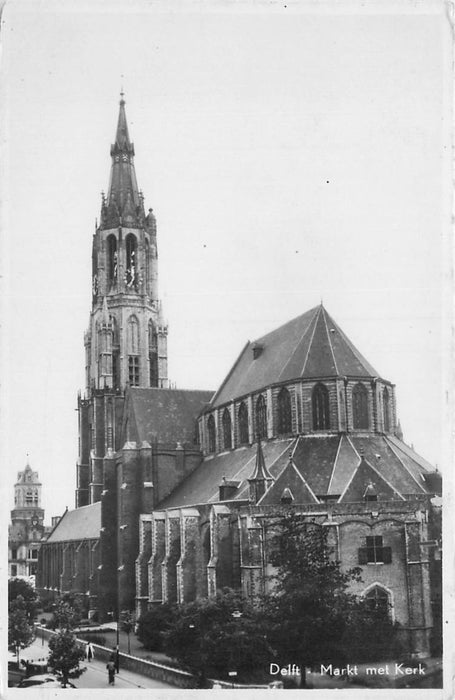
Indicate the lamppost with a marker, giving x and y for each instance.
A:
(116, 649)
(236, 615)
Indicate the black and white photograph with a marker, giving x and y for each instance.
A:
(226, 347)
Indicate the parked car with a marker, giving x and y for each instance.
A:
(44, 679)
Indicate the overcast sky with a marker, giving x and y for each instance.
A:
(289, 153)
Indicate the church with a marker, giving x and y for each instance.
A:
(175, 489)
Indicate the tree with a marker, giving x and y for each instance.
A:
(213, 636)
(20, 631)
(19, 587)
(153, 624)
(65, 616)
(312, 615)
(127, 625)
(65, 656)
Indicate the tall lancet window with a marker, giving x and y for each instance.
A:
(112, 259)
(211, 433)
(133, 351)
(131, 273)
(321, 407)
(386, 410)
(147, 265)
(153, 354)
(360, 407)
(227, 429)
(244, 436)
(261, 418)
(284, 412)
(115, 353)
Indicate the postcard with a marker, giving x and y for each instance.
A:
(227, 302)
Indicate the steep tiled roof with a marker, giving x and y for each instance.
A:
(165, 415)
(80, 524)
(308, 347)
(202, 485)
(336, 465)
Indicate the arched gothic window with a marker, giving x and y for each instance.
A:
(147, 264)
(211, 433)
(244, 436)
(284, 412)
(153, 354)
(227, 429)
(133, 351)
(360, 407)
(378, 599)
(131, 274)
(112, 258)
(386, 410)
(133, 336)
(321, 407)
(261, 418)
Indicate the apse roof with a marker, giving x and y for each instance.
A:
(327, 465)
(308, 347)
(80, 524)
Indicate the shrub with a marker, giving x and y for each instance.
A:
(153, 624)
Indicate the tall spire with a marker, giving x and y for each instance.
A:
(123, 205)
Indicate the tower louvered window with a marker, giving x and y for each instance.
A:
(227, 429)
(211, 429)
(284, 412)
(244, 436)
(261, 418)
(321, 407)
(131, 274)
(386, 410)
(112, 263)
(360, 407)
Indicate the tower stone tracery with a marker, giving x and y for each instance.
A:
(126, 340)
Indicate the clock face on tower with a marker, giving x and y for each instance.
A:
(35, 521)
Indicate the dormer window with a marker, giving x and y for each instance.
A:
(257, 350)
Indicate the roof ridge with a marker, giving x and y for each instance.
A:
(324, 316)
(390, 444)
(291, 357)
(315, 319)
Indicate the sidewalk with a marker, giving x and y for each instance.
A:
(96, 675)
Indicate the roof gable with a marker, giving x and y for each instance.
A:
(366, 478)
(292, 480)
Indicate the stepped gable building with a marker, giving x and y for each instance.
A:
(301, 421)
(137, 437)
(27, 529)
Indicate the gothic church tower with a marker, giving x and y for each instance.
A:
(126, 342)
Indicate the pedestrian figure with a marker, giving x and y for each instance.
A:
(111, 671)
(89, 651)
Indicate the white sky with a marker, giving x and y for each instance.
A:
(289, 154)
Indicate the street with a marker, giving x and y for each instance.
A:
(96, 674)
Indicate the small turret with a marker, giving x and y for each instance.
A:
(261, 478)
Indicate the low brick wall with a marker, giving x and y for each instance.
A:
(151, 669)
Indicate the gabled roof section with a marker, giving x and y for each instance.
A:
(290, 478)
(162, 415)
(310, 346)
(367, 480)
(80, 524)
(202, 485)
